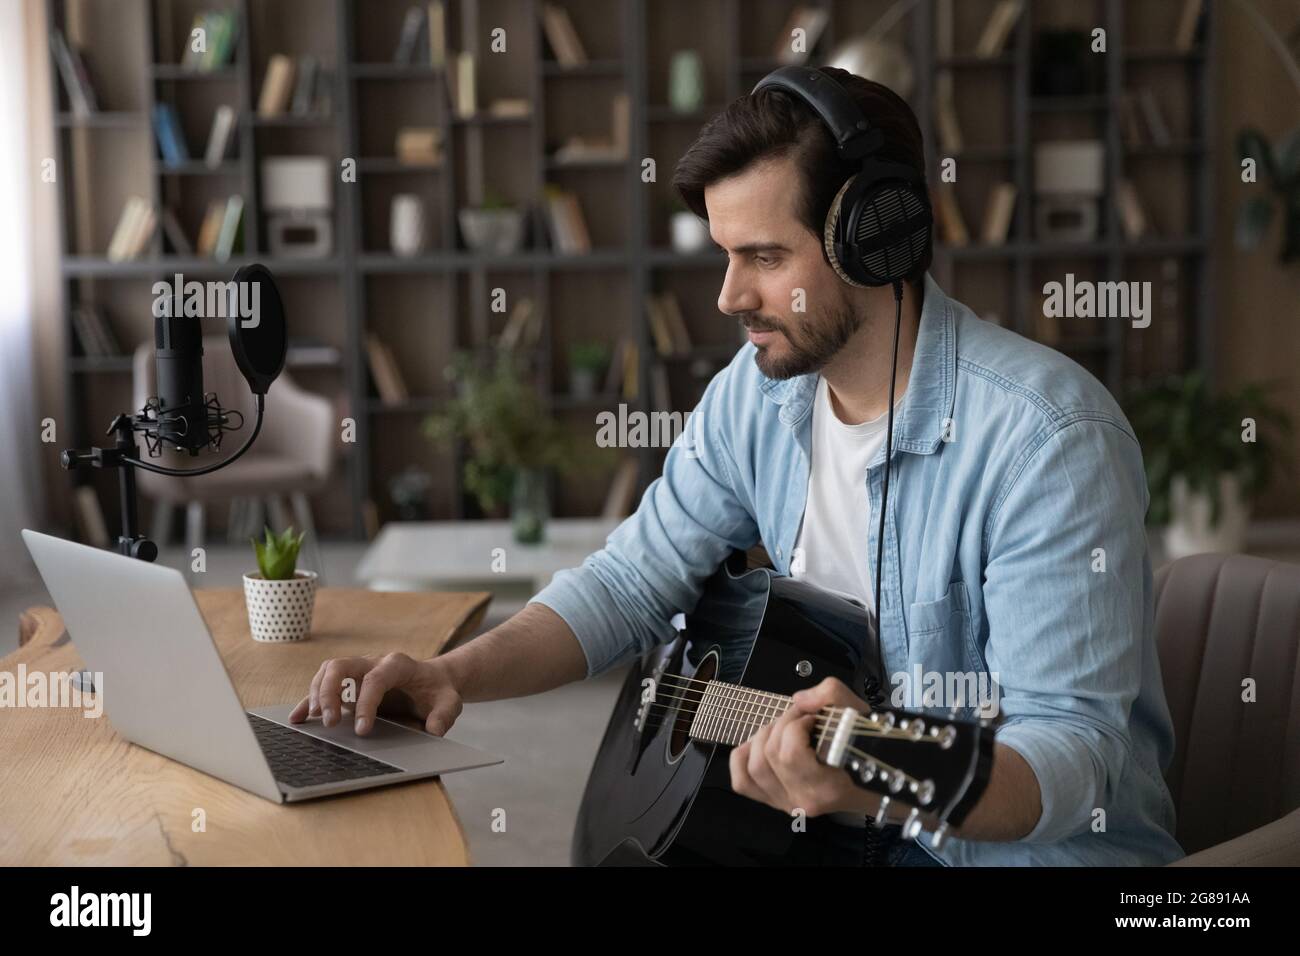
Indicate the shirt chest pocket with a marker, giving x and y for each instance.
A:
(940, 633)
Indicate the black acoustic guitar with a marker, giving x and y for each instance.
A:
(660, 791)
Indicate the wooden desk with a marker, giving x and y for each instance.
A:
(74, 793)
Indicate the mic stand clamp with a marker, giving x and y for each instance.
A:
(121, 456)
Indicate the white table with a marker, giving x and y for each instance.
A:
(464, 556)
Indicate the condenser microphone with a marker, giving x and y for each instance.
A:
(182, 408)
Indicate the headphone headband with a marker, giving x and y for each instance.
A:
(854, 135)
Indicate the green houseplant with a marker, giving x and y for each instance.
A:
(280, 597)
(1205, 460)
(512, 441)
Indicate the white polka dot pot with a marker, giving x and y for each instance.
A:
(280, 611)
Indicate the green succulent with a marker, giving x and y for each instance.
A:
(278, 554)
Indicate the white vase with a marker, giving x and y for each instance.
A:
(1190, 530)
(280, 611)
(406, 228)
(690, 233)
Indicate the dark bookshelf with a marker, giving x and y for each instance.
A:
(429, 305)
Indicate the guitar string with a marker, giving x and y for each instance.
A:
(882, 768)
(774, 700)
(828, 722)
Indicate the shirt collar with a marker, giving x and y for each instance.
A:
(931, 386)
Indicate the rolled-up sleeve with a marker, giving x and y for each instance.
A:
(1067, 597)
(619, 602)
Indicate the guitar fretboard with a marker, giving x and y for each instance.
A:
(731, 714)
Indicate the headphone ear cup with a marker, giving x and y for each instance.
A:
(832, 234)
(887, 225)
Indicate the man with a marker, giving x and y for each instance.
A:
(1014, 540)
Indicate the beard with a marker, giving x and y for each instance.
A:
(807, 348)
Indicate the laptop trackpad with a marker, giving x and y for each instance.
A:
(412, 750)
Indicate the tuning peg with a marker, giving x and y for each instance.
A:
(940, 836)
(912, 825)
(881, 814)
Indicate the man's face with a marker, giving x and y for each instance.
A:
(771, 257)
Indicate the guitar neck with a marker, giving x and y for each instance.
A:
(730, 714)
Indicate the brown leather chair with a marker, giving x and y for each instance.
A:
(1235, 776)
(292, 457)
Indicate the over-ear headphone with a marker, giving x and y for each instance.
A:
(877, 231)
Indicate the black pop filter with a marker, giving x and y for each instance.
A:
(259, 342)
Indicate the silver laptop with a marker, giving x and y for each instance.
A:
(166, 688)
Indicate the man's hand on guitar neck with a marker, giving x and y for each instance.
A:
(778, 767)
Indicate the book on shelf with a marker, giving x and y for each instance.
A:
(210, 228)
(220, 138)
(304, 86)
(621, 497)
(229, 233)
(997, 214)
(561, 35)
(277, 86)
(631, 377)
(419, 146)
(661, 397)
(568, 227)
(943, 29)
(91, 526)
(949, 223)
(384, 371)
(461, 94)
(945, 114)
(522, 325)
(180, 243)
(998, 28)
(614, 375)
(74, 75)
(94, 332)
(1129, 120)
(1132, 218)
(170, 136)
(218, 29)
(1154, 116)
(413, 39)
(1189, 21)
(667, 326)
(812, 21)
(134, 230)
(436, 16)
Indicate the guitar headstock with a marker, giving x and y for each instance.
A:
(936, 766)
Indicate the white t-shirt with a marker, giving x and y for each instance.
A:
(832, 543)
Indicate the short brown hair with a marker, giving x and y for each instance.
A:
(773, 123)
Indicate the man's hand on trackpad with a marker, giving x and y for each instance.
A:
(393, 684)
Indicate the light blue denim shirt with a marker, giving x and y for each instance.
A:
(1015, 545)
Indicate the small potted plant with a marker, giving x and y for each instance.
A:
(495, 227)
(513, 442)
(280, 599)
(586, 362)
(1207, 458)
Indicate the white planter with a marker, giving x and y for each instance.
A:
(690, 233)
(1190, 531)
(280, 611)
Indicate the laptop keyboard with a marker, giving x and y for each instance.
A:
(301, 760)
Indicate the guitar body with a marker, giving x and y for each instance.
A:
(657, 797)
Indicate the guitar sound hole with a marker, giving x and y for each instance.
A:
(681, 732)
